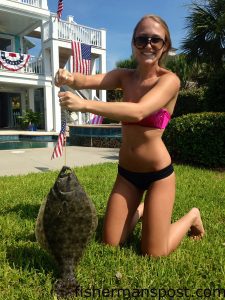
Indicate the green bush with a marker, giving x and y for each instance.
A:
(30, 118)
(109, 121)
(190, 101)
(197, 139)
(215, 94)
(114, 95)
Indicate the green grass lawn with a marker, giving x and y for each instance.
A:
(27, 272)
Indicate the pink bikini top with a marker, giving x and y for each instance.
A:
(158, 119)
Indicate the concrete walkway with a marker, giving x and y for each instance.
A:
(24, 161)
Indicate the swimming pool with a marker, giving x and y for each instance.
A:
(11, 142)
(102, 136)
(24, 145)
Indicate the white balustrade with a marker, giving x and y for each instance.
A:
(33, 66)
(83, 34)
(36, 3)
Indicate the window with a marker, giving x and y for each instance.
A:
(5, 44)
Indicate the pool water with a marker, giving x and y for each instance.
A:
(10, 145)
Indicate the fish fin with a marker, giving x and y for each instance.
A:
(66, 288)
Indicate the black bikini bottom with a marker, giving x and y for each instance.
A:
(143, 180)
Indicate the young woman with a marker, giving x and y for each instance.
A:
(150, 92)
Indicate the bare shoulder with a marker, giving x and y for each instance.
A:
(170, 78)
(110, 80)
(126, 76)
(123, 73)
(171, 82)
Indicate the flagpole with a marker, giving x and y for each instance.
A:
(65, 137)
(65, 148)
(67, 115)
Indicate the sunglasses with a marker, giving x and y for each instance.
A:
(140, 42)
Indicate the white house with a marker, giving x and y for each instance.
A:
(32, 86)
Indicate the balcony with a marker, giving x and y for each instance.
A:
(20, 17)
(67, 31)
(35, 3)
(34, 66)
(83, 34)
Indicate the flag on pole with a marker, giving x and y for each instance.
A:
(81, 58)
(58, 150)
(60, 9)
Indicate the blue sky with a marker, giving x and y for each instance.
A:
(119, 17)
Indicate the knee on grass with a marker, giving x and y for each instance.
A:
(112, 241)
(155, 252)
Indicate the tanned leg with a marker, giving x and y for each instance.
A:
(121, 208)
(159, 236)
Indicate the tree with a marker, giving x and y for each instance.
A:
(127, 63)
(205, 41)
(117, 94)
(178, 64)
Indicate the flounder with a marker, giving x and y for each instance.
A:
(65, 224)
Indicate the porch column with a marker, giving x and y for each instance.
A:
(23, 102)
(44, 4)
(49, 125)
(54, 67)
(31, 98)
(93, 71)
(102, 69)
(56, 107)
(46, 53)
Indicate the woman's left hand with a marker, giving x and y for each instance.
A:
(71, 101)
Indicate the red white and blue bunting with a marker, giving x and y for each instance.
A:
(13, 61)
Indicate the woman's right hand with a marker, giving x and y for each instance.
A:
(63, 77)
(71, 102)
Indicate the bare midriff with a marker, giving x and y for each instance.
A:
(142, 149)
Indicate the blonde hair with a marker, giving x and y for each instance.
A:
(168, 42)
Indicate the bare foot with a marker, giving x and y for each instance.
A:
(140, 210)
(137, 216)
(197, 230)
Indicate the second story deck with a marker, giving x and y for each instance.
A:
(67, 31)
(36, 3)
(16, 23)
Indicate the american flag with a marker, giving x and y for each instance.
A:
(60, 9)
(81, 58)
(58, 150)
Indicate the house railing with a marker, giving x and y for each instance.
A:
(83, 34)
(34, 66)
(67, 31)
(30, 2)
(35, 3)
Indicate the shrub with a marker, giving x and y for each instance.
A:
(215, 94)
(114, 95)
(109, 121)
(30, 118)
(198, 139)
(190, 101)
